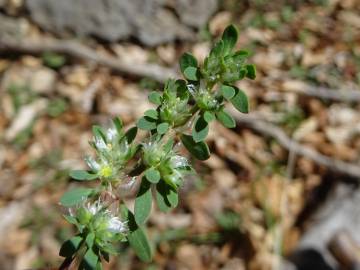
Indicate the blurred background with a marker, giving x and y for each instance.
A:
(280, 191)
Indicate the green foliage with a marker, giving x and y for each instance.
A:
(143, 202)
(75, 196)
(53, 60)
(199, 150)
(71, 246)
(82, 175)
(182, 114)
(138, 239)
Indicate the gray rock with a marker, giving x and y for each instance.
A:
(150, 21)
(340, 212)
(195, 13)
(10, 27)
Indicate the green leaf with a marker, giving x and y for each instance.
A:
(69, 247)
(70, 219)
(251, 71)
(90, 260)
(168, 145)
(218, 49)
(226, 119)
(173, 197)
(90, 240)
(162, 191)
(240, 101)
(153, 114)
(190, 73)
(138, 239)
(98, 132)
(230, 37)
(187, 60)
(209, 116)
(162, 128)
(118, 124)
(146, 123)
(53, 60)
(82, 175)
(75, 196)
(99, 266)
(131, 134)
(200, 129)
(199, 150)
(155, 97)
(143, 202)
(227, 92)
(152, 175)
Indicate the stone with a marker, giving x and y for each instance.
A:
(150, 21)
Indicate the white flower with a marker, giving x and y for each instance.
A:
(115, 225)
(178, 161)
(94, 208)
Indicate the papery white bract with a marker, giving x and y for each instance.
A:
(92, 163)
(111, 134)
(115, 225)
(95, 207)
(178, 161)
(99, 143)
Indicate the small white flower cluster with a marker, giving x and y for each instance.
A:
(102, 217)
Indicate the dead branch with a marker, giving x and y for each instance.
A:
(159, 73)
(271, 130)
(77, 50)
(344, 95)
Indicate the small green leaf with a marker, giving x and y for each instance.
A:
(131, 134)
(240, 101)
(153, 114)
(75, 196)
(143, 202)
(162, 191)
(98, 132)
(82, 175)
(200, 129)
(146, 123)
(152, 175)
(251, 71)
(90, 260)
(187, 60)
(70, 219)
(173, 198)
(229, 37)
(199, 150)
(90, 240)
(138, 239)
(162, 128)
(227, 92)
(99, 266)
(118, 124)
(209, 116)
(218, 49)
(190, 73)
(155, 97)
(226, 119)
(70, 246)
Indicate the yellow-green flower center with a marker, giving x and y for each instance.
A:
(106, 171)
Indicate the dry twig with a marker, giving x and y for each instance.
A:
(271, 130)
(159, 73)
(348, 95)
(77, 50)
